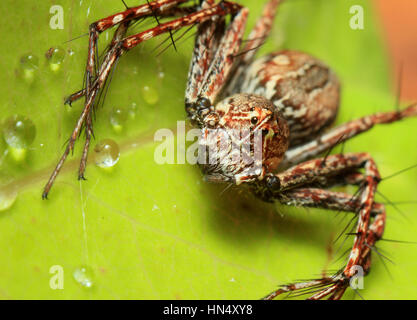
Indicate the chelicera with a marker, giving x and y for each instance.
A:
(289, 98)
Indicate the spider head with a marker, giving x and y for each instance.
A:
(243, 138)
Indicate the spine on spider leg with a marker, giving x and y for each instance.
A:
(256, 39)
(410, 111)
(391, 116)
(155, 8)
(108, 62)
(150, 8)
(260, 32)
(220, 9)
(96, 81)
(205, 46)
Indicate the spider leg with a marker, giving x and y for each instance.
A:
(287, 184)
(151, 8)
(343, 133)
(88, 134)
(206, 44)
(115, 51)
(212, 62)
(117, 37)
(324, 199)
(259, 33)
(255, 40)
(74, 97)
(158, 8)
(224, 58)
(105, 69)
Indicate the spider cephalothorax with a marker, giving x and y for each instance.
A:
(244, 137)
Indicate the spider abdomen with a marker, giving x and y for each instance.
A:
(303, 88)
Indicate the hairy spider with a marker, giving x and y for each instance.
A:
(289, 97)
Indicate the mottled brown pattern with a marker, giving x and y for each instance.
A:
(235, 117)
(303, 88)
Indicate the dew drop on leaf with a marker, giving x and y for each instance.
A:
(55, 58)
(150, 95)
(19, 133)
(106, 153)
(118, 117)
(133, 109)
(84, 276)
(29, 64)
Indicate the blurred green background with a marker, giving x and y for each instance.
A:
(148, 231)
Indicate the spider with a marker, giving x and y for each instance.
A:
(289, 98)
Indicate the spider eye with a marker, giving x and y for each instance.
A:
(203, 103)
(254, 120)
(273, 182)
(265, 132)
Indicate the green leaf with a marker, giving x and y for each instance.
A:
(152, 231)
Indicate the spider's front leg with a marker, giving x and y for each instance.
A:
(157, 8)
(293, 187)
(86, 118)
(119, 46)
(216, 61)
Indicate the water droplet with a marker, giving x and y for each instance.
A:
(19, 133)
(150, 95)
(55, 58)
(155, 207)
(106, 153)
(133, 108)
(161, 75)
(70, 52)
(118, 117)
(29, 64)
(7, 198)
(83, 276)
